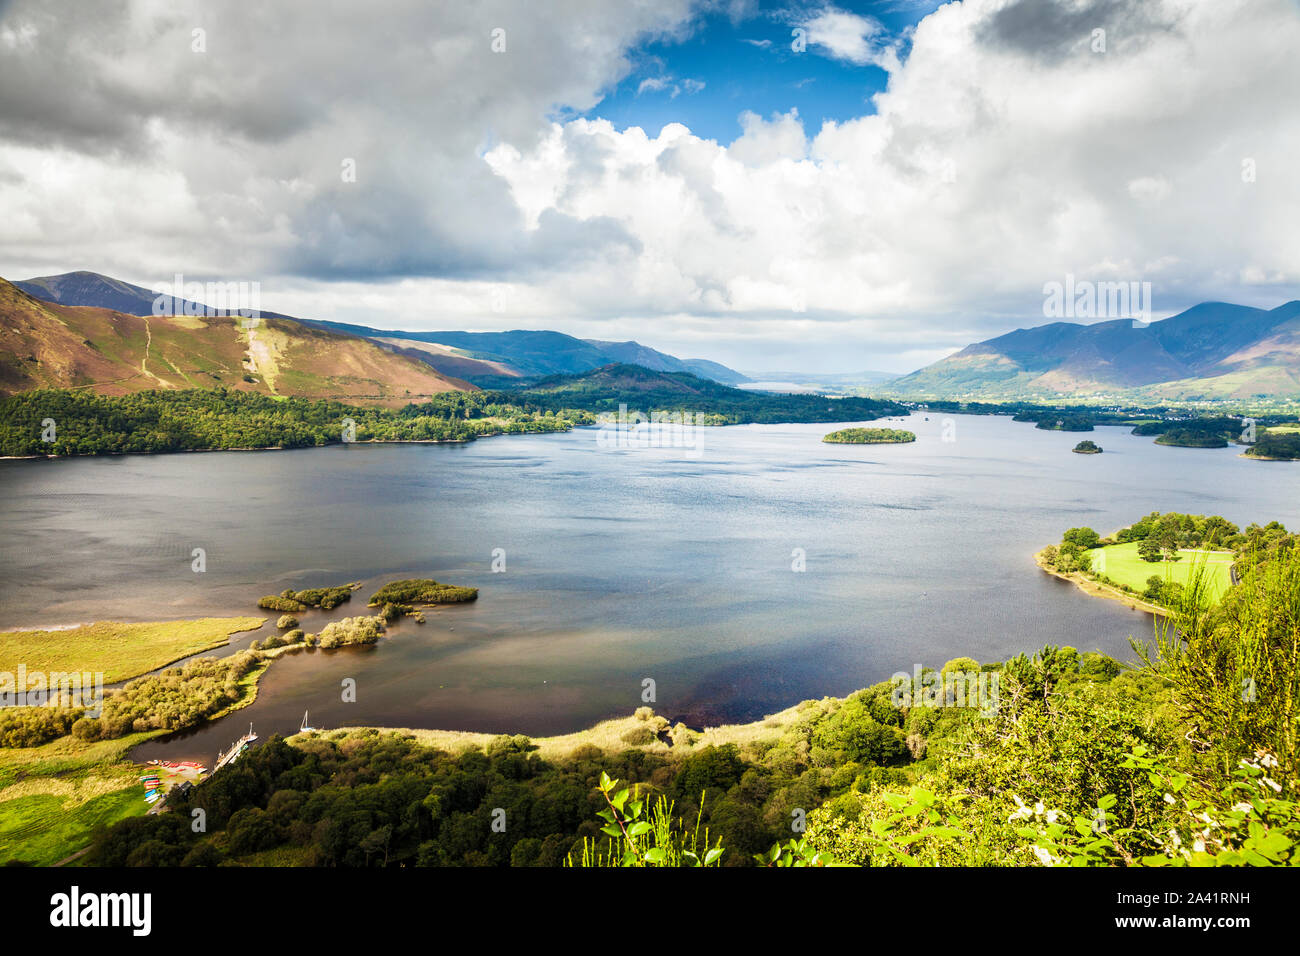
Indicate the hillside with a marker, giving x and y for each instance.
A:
(1214, 350)
(45, 345)
(488, 359)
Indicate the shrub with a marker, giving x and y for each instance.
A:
(352, 630)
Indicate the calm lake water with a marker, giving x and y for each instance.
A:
(621, 564)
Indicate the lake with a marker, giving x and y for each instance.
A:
(621, 564)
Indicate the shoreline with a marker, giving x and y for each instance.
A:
(1096, 589)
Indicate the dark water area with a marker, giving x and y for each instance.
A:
(621, 565)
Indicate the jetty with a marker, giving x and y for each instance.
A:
(237, 748)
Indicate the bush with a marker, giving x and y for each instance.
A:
(640, 736)
(277, 602)
(352, 630)
(286, 621)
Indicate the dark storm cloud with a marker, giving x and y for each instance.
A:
(1054, 28)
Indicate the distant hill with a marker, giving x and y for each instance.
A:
(493, 359)
(487, 359)
(634, 353)
(646, 390)
(1214, 350)
(47, 345)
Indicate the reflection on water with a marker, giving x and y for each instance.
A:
(621, 564)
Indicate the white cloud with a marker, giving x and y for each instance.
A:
(850, 37)
(1002, 155)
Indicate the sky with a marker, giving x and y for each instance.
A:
(803, 186)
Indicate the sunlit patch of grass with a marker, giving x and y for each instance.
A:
(120, 651)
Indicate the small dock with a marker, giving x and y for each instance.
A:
(237, 748)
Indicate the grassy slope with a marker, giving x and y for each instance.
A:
(119, 651)
(52, 797)
(43, 345)
(1120, 562)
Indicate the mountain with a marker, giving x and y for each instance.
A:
(493, 359)
(91, 288)
(634, 353)
(1214, 350)
(47, 345)
(488, 359)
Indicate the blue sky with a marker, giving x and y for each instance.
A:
(725, 64)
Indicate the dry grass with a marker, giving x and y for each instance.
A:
(611, 735)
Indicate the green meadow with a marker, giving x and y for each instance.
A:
(1120, 563)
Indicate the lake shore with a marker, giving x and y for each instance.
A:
(1096, 589)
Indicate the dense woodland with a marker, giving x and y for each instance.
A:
(209, 419)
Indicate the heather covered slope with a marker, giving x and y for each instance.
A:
(488, 359)
(46, 345)
(1213, 350)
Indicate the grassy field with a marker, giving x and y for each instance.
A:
(119, 651)
(1120, 562)
(52, 797)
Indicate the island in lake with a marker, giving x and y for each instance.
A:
(869, 436)
(1087, 447)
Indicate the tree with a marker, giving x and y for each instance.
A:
(1149, 549)
(1084, 538)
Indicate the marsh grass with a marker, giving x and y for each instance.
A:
(119, 651)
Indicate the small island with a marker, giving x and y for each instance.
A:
(869, 436)
(1087, 447)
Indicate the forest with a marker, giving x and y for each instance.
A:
(72, 422)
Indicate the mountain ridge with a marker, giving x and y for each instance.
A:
(1213, 350)
(487, 359)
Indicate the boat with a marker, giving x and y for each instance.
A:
(305, 728)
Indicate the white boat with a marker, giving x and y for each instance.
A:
(305, 729)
